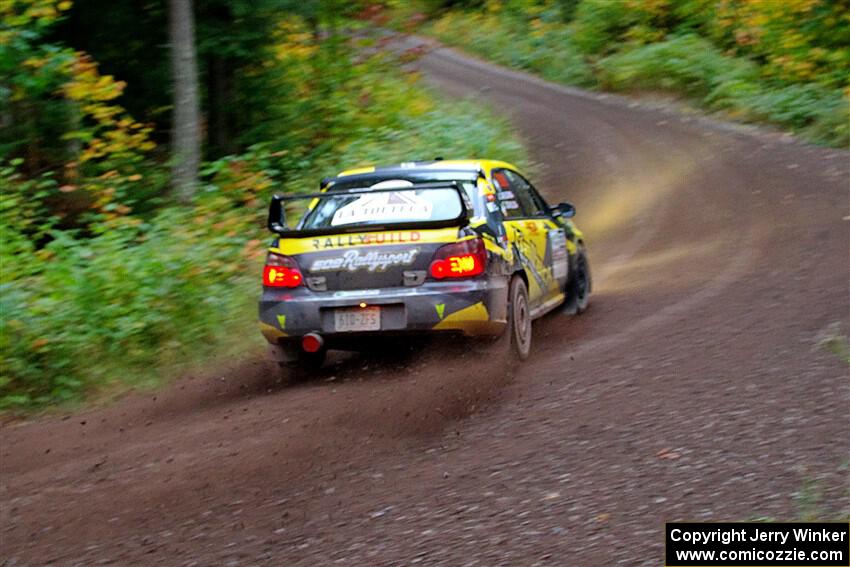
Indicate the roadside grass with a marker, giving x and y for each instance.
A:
(137, 300)
(809, 500)
(833, 339)
(682, 63)
(809, 505)
(548, 51)
(838, 345)
(691, 66)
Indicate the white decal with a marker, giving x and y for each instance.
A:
(558, 242)
(509, 205)
(372, 261)
(503, 195)
(358, 293)
(405, 206)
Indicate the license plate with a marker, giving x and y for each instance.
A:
(357, 319)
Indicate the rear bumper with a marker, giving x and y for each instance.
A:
(473, 307)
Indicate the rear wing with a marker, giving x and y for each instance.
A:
(277, 212)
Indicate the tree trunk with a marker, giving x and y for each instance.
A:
(186, 128)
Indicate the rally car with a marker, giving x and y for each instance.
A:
(464, 246)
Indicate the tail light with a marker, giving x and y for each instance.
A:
(281, 271)
(459, 260)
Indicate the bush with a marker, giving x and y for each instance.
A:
(131, 296)
(125, 302)
(539, 45)
(600, 24)
(820, 114)
(686, 64)
(690, 65)
(676, 47)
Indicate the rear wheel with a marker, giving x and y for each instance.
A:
(578, 287)
(519, 319)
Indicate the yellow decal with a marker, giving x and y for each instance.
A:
(271, 334)
(356, 171)
(292, 246)
(441, 308)
(531, 251)
(473, 320)
(367, 239)
(281, 320)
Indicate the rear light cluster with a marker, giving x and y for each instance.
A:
(281, 271)
(459, 260)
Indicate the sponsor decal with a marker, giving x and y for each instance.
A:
(346, 240)
(509, 205)
(373, 261)
(532, 260)
(281, 320)
(441, 309)
(501, 180)
(558, 244)
(492, 207)
(505, 195)
(384, 206)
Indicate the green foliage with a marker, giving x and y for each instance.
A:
(796, 41)
(694, 67)
(785, 63)
(30, 73)
(600, 25)
(132, 298)
(536, 45)
(128, 294)
(688, 64)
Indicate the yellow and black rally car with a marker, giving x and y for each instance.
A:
(465, 246)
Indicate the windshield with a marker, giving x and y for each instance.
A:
(407, 204)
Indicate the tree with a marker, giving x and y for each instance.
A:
(186, 127)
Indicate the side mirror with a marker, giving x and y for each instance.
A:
(564, 210)
(276, 222)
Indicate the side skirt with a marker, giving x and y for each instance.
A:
(548, 306)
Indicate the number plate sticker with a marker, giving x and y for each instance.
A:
(357, 319)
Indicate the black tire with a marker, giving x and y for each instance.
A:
(519, 318)
(579, 285)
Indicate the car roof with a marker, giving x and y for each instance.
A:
(437, 168)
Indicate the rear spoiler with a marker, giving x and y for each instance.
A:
(277, 215)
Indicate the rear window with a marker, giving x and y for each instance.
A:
(405, 205)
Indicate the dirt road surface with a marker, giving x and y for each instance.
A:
(697, 387)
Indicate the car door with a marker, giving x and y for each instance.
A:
(557, 247)
(536, 237)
